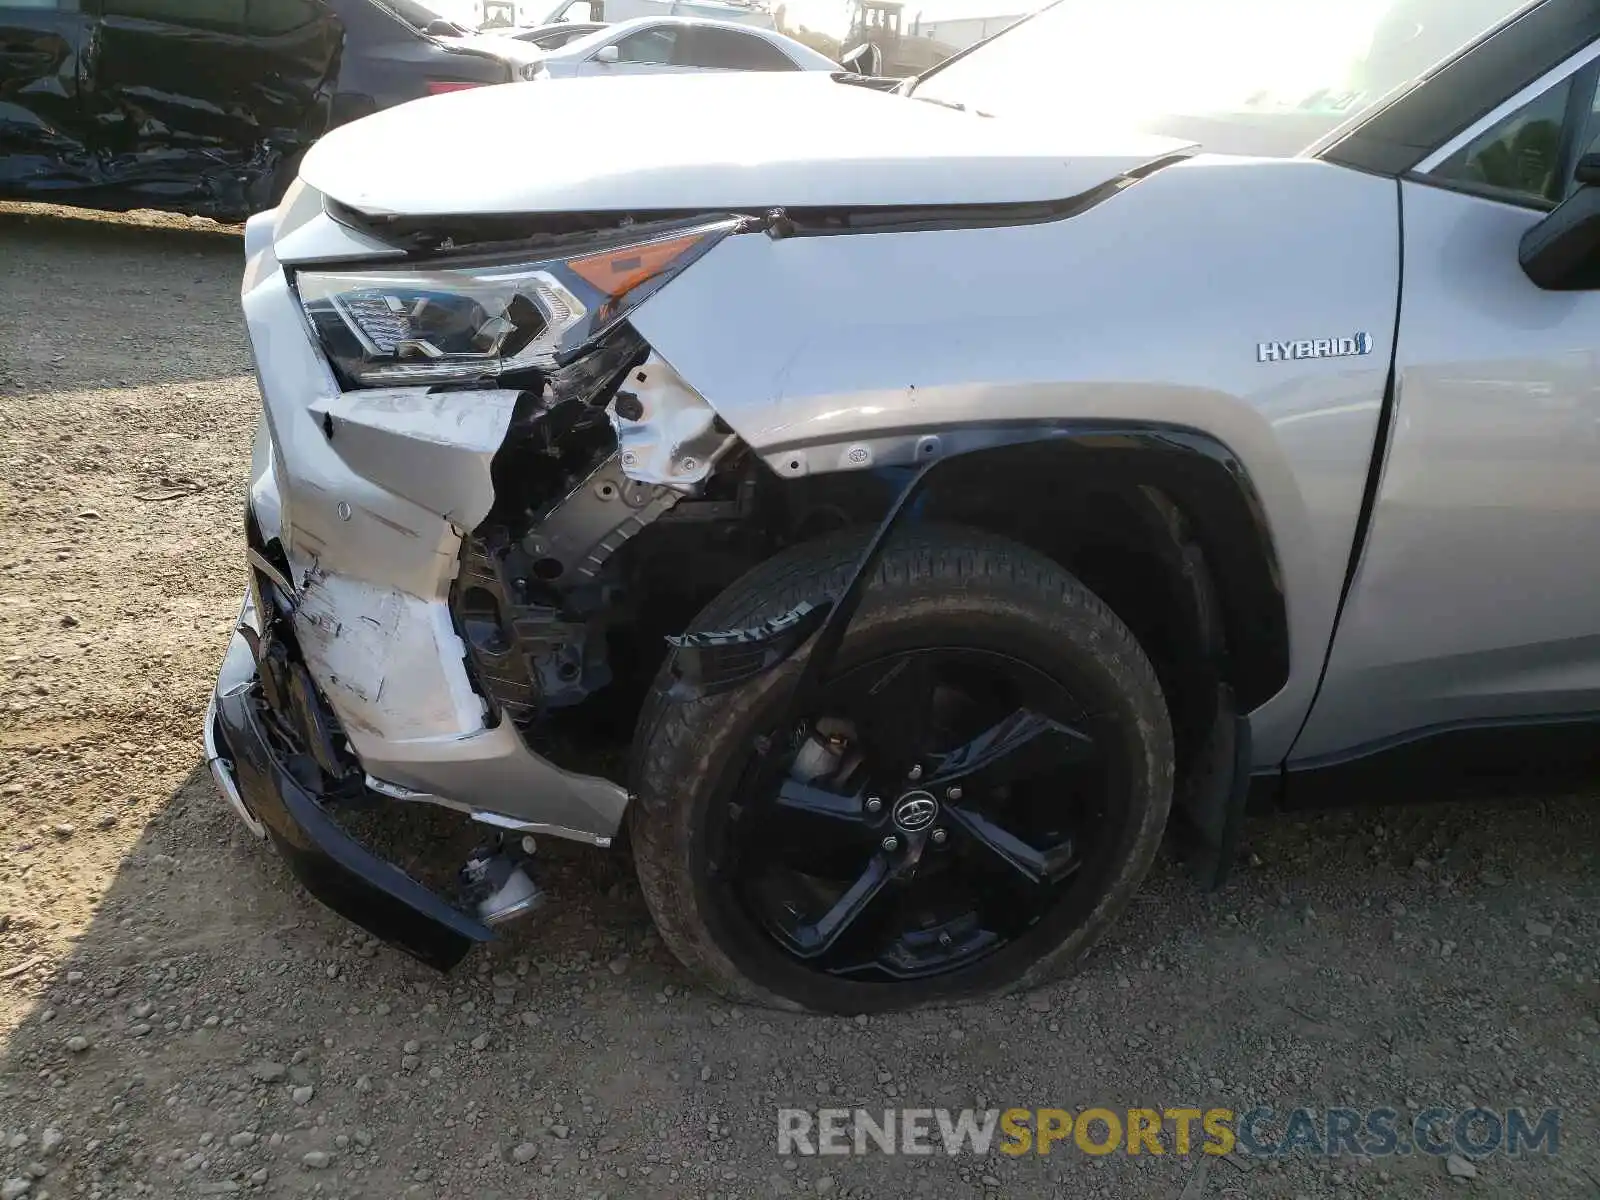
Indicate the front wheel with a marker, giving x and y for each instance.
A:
(979, 791)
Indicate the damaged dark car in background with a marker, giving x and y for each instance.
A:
(206, 106)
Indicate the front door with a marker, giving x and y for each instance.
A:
(42, 122)
(1476, 600)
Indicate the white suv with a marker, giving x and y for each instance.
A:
(892, 513)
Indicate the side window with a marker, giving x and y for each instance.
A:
(647, 46)
(1519, 158)
(226, 15)
(729, 50)
(42, 5)
(578, 10)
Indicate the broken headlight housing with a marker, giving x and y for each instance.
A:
(453, 319)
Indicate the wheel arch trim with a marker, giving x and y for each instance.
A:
(1195, 470)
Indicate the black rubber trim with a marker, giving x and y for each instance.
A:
(1440, 105)
(550, 236)
(922, 218)
(1543, 755)
(1375, 465)
(1480, 191)
(332, 866)
(1380, 438)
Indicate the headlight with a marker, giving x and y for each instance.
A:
(456, 321)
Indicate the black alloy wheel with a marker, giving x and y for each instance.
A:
(978, 789)
(938, 809)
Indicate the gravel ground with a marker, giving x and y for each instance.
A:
(178, 1019)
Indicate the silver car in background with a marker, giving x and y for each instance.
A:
(890, 515)
(663, 45)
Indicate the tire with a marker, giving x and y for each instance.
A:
(937, 591)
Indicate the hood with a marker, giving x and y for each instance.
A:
(736, 140)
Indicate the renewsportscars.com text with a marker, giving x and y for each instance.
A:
(1258, 1132)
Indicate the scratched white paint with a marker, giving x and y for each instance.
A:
(383, 658)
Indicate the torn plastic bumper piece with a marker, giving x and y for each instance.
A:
(704, 664)
(332, 866)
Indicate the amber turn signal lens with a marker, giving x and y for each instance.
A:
(616, 272)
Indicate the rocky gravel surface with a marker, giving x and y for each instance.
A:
(178, 1019)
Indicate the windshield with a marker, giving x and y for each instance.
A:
(1257, 77)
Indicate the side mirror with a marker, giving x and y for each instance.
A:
(1562, 252)
(865, 59)
(606, 54)
(442, 28)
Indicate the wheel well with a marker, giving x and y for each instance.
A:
(1166, 530)
(1162, 525)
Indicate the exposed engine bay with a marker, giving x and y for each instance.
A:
(568, 592)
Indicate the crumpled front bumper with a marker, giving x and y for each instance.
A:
(368, 496)
(357, 509)
(276, 801)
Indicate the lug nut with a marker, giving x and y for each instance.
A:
(938, 836)
(891, 843)
(915, 773)
(953, 794)
(874, 805)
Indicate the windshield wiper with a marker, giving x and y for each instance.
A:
(955, 104)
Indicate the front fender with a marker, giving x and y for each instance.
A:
(847, 351)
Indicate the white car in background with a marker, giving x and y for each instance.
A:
(662, 45)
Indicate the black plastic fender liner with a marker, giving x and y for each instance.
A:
(703, 664)
(1210, 808)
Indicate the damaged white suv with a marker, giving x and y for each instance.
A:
(921, 497)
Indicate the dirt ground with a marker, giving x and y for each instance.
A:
(178, 1019)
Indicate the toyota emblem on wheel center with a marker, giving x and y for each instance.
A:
(915, 811)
